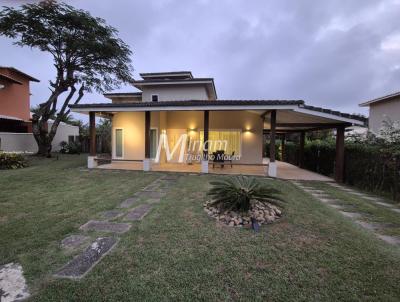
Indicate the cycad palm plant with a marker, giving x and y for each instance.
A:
(236, 193)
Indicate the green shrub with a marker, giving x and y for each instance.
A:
(74, 148)
(12, 161)
(368, 166)
(291, 154)
(63, 146)
(236, 193)
(319, 156)
(277, 149)
(70, 148)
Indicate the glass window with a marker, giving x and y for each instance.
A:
(227, 140)
(153, 143)
(71, 139)
(118, 143)
(154, 98)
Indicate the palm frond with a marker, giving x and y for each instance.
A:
(237, 193)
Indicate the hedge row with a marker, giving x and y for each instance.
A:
(369, 167)
(12, 161)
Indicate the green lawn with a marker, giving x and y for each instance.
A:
(372, 212)
(177, 252)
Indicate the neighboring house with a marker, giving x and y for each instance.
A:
(175, 104)
(15, 125)
(386, 108)
(356, 131)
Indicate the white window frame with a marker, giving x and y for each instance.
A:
(151, 98)
(115, 141)
(155, 128)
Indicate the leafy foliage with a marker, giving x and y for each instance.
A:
(87, 55)
(237, 193)
(104, 131)
(12, 161)
(372, 162)
(67, 119)
(70, 148)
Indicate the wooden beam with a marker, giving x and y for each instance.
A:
(294, 130)
(272, 137)
(265, 113)
(314, 125)
(206, 129)
(283, 146)
(301, 149)
(147, 134)
(339, 163)
(92, 133)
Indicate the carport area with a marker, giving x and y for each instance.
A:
(302, 120)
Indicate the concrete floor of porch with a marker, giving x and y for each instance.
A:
(285, 170)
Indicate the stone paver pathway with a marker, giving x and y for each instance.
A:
(325, 197)
(13, 286)
(105, 226)
(74, 241)
(83, 263)
(129, 202)
(132, 209)
(139, 212)
(374, 199)
(112, 214)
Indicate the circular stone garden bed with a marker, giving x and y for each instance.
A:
(263, 212)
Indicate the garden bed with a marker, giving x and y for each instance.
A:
(262, 212)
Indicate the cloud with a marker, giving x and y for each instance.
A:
(330, 53)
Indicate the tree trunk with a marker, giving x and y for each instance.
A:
(44, 149)
(41, 135)
(40, 130)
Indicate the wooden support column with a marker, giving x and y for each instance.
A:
(206, 125)
(272, 170)
(92, 133)
(147, 135)
(272, 137)
(147, 161)
(283, 146)
(301, 149)
(206, 129)
(339, 163)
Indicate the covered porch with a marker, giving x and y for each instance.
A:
(269, 117)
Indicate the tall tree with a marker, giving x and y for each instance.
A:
(87, 55)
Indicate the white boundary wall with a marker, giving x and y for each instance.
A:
(25, 142)
(21, 142)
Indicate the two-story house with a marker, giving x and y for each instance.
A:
(385, 108)
(14, 100)
(175, 120)
(15, 125)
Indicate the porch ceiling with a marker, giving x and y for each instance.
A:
(290, 120)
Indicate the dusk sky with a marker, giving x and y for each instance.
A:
(329, 53)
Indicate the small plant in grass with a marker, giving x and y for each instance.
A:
(10, 160)
(234, 200)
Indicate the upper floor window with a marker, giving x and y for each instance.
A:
(154, 97)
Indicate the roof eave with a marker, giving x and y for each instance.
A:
(386, 98)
